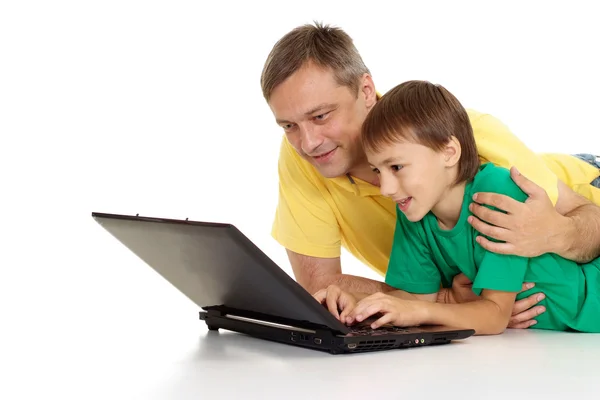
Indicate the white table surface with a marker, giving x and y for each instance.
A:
(100, 324)
(189, 362)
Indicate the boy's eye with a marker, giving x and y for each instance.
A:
(375, 170)
(396, 167)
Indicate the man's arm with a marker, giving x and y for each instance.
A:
(580, 238)
(571, 229)
(316, 273)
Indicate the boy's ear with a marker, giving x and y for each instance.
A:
(452, 152)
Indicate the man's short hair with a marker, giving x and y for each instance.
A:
(423, 113)
(325, 46)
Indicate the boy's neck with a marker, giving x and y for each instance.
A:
(447, 210)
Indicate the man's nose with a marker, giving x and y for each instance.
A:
(311, 139)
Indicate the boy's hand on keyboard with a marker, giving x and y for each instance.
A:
(395, 311)
(338, 302)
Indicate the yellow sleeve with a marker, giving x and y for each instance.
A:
(496, 144)
(304, 221)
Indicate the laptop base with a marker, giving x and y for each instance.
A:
(323, 339)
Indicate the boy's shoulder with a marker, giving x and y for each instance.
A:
(494, 179)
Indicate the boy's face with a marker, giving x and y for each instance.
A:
(413, 175)
(322, 119)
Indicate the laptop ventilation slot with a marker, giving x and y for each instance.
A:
(370, 345)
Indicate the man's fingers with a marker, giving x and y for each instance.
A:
(346, 309)
(523, 325)
(492, 217)
(332, 303)
(520, 307)
(496, 232)
(526, 316)
(525, 184)
(494, 247)
(499, 201)
(462, 280)
(526, 286)
(321, 295)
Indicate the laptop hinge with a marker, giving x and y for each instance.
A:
(224, 311)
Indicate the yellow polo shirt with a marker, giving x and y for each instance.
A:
(315, 215)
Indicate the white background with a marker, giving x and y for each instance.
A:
(155, 107)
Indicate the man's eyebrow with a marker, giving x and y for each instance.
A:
(320, 107)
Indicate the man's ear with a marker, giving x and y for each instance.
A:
(452, 152)
(367, 90)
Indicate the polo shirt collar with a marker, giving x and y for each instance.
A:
(356, 186)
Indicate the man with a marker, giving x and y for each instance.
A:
(320, 92)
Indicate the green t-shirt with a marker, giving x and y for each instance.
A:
(424, 256)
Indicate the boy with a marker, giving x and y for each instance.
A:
(419, 141)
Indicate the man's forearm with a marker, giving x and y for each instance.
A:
(578, 238)
(352, 284)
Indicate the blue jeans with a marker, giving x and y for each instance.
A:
(594, 161)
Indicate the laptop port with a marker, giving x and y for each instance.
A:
(318, 340)
(352, 345)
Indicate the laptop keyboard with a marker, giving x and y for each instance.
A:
(367, 331)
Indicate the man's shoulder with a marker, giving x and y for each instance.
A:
(481, 122)
(294, 166)
(495, 179)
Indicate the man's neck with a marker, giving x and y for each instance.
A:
(448, 209)
(365, 173)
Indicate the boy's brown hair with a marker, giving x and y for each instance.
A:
(325, 46)
(427, 114)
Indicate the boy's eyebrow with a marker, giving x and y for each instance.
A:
(390, 160)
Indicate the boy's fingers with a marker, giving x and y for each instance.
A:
(385, 319)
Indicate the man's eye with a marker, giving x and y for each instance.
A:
(321, 116)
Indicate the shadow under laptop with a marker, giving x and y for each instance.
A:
(223, 345)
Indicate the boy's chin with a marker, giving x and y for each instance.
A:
(414, 217)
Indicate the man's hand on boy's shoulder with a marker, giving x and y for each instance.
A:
(524, 228)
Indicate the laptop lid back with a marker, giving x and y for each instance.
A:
(214, 264)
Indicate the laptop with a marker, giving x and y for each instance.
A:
(239, 288)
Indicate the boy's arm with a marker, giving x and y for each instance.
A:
(488, 316)
(401, 294)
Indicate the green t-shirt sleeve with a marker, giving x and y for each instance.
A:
(497, 271)
(500, 272)
(411, 267)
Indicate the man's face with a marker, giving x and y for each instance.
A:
(321, 119)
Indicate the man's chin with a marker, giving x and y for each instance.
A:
(330, 171)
